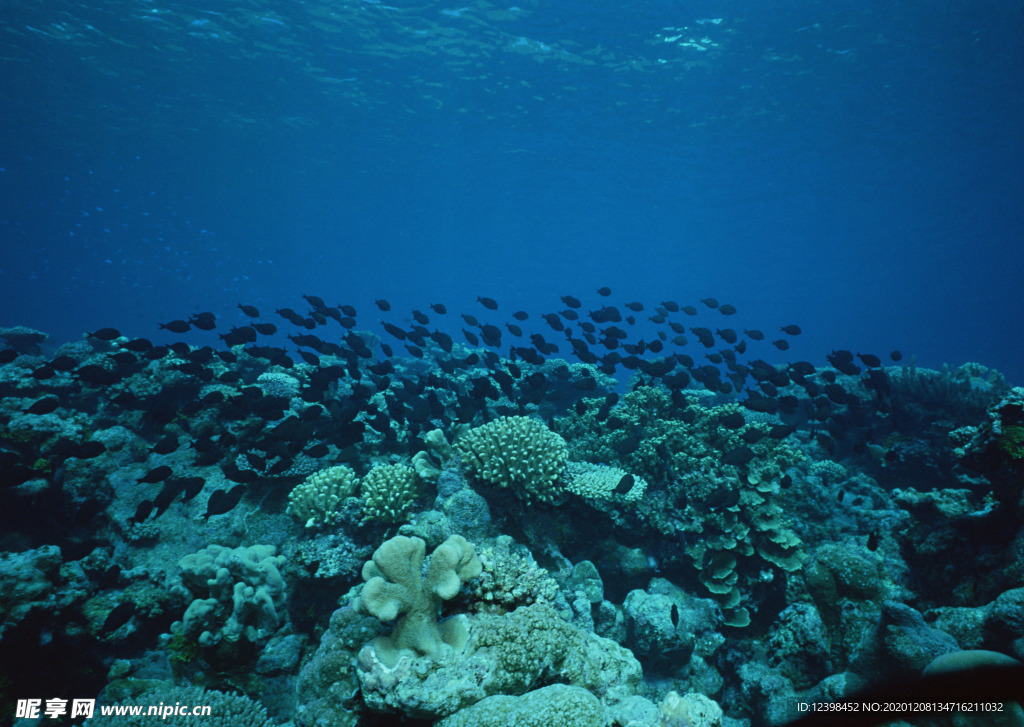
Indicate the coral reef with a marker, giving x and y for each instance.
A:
(316, 500)
(395, 589)
(518, 453)
(388, 492)
(238, 599)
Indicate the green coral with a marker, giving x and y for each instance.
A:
(181, 649)
(315, 501)
(388, 492)
(518, 453)
(1012, 441)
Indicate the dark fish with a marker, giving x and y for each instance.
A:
(311, 358)
(317, 451)
(386, 349)
(420, 317)
(203, 321)
(570, 315)
(625, 485)
(752, 436)
(315, 412)
(90, 449)
(570, 301)
(609, 401)
(733, 420)
(177, 326)
(709, 302)
(605, 291)
(191, 486)
(519, 315)
(670, 305)
(315, 301)
(44, 372)
(222, 501)
(105, 334)
(166, 445)
(157, 474)
(139, 345)
(554, 321)
(727, 334)
(738, 456)
(348, 310)
(514, 329)
(791, 330)
(44, 405)
(414, 351)
(443, 340)
(266, 329)
(726, 309)
(896, 356)
(383, 305)
(780, 344)
(722, 498)
(870, 360)
(635, 306)
(843, 362)
(249, 310)
(491, 335)
(394, 330)
(488, 303)
(689, 310)
(63, 363)
(437, 308)
(171, 489)
(119, 615)
(8, 355)
(141, 512)
(873, 541)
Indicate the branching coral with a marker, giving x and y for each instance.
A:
(519, 453)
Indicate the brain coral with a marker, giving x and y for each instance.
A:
(519, 453)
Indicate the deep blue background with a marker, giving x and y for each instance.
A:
(851, 167)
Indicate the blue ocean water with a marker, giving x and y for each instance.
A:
(734, 193)
(852, 167)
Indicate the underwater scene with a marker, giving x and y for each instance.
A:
(368, 362)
